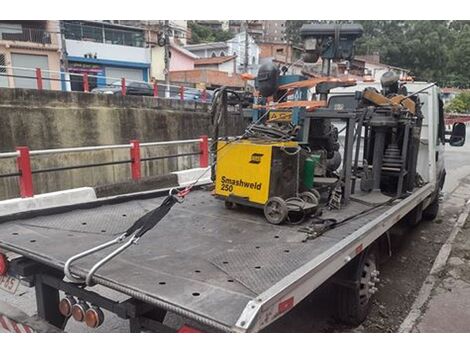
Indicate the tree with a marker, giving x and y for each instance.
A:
(203, 34)
(460, 104)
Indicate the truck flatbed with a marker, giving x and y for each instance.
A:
(225, 268)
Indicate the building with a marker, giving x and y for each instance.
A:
(180, 59)
(178, 29)
(274, 31)
(219, 63)
(207, 78)
(255, 28)
(25, 46)
(107, 51)
(374, 68)
(212, 24)
(232, 47)
(237, 45)
(213, 49)
(449, 93)
(279, 51)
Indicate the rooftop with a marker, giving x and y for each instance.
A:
(201, 46)
(214, 60)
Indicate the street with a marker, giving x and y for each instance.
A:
(401, 276)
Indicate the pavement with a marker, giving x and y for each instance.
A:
(443, 304)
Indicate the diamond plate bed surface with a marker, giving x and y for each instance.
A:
(201, 257)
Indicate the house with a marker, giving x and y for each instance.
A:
(25, 46)
(180, 59)
(218, 63)
(374, 68)
(236, 46)
(209, 49)
(107, 51)
(449, 93)
(207, 78)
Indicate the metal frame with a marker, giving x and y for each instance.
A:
(269, 306)
(48, 283)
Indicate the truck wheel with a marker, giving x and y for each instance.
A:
(354, 303)
(430, 213)
(275, 210)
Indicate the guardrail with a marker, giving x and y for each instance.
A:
(41, 76)
(25, 172)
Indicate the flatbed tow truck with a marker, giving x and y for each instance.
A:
(217, 268)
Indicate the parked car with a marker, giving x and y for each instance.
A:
(193, 94)
(132, 88)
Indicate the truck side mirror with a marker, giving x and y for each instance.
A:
(458, 134)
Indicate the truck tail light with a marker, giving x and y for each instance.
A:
(78, 310)
(188, 329)
(3, 264)
(94, 317)
(65, 306)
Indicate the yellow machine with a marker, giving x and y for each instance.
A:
(262, 174)
(254, 171)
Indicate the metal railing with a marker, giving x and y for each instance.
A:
(34, 35)
(40, 79)
(103, 34)
(25, 172)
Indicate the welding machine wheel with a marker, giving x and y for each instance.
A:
(310, 198)
(275, 210)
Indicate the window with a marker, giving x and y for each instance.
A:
(280, 51)
(2, 63)
(253, 60)
(342, 102)
(222, 54)
(213, 54)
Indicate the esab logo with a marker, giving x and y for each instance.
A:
(256, 158)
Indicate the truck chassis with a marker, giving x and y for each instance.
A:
(219, 269)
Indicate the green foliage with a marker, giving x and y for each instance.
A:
(203, 34)
(460, 104)
(437, 51)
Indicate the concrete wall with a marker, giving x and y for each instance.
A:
(49, 119)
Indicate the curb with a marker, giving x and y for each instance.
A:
(425, 292)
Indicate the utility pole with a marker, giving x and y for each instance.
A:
(167, 58)
(246, 61)
(64, 56)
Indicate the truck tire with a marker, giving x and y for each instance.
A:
(430, 213)
(354, 303)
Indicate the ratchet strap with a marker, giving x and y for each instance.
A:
(150, 219)
(135, 232)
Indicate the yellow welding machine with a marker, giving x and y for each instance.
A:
(252, 171)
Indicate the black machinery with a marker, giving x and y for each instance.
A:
(376, 164)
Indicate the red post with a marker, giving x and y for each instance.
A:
(123, 86)
(155, 89)
(39, 78)
(181, 93)
(86, 85)
(23, 163)
(204, 96)
(135, 160)
(204, 149)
